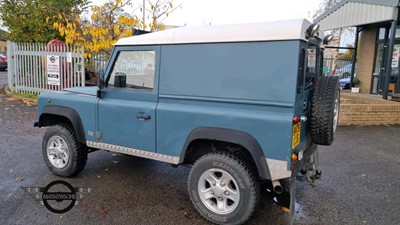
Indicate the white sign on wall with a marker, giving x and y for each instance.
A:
(53, 70)
(395, 57)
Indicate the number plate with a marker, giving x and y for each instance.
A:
(296, 135)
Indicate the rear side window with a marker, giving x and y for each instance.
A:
(300, 76)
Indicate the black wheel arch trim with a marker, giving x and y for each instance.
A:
(231, 136)
(69, 113)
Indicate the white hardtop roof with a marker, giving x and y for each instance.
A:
(264, 31)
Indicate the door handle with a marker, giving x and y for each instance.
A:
(143, 116)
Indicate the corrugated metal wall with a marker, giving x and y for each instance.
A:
(354, 14)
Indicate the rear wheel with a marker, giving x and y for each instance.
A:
(325, 106)
(62, 152)
(223, 188)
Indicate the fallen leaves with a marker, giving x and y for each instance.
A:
(26, 101)
(285, 210)
(102, 211)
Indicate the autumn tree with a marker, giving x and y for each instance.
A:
(26, 19)
(157, 12)
(99, 32)
(348, 53)
(106, 24)
(337, 33)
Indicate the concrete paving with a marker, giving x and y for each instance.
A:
(359, 185)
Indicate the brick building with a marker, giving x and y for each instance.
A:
(377, 41)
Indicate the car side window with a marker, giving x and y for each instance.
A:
(300, 78)
(133, 69)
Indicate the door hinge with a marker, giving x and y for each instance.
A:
(97, 135)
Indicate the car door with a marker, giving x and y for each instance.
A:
(126, 110)
(310, 67)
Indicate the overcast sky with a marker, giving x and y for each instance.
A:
(217, 12)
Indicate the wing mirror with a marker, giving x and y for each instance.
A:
(312, 30)
(327, 39)
(120, 80)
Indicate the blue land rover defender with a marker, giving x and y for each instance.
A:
(242, 105)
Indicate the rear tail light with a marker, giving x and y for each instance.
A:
(296, 119)
(296, 130)
(3, 59)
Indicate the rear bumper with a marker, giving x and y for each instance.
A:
(287, 198)
(305, 157)
(281, 169)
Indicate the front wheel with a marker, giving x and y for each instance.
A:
(223, 189)
(62, 152)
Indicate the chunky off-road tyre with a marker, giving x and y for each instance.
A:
(325, 106)
(223, 188)
(62, 152)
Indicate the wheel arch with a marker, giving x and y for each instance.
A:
(247, 141)
(52, 115)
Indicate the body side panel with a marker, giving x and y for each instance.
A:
(261, 71)
(83, 104)
(217, 85)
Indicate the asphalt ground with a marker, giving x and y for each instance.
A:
(360, 181)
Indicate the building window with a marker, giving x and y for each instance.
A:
(381, 35)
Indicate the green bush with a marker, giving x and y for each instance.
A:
(356, 80)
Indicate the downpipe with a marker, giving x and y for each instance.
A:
(277, 187)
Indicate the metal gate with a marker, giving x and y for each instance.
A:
(37, 67)
(338, 66)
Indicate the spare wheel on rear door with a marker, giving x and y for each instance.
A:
(325, 110)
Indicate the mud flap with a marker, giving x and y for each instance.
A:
(292, 193)
(287, 199)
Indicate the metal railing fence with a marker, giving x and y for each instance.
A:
(338, 67)
(34, 68)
